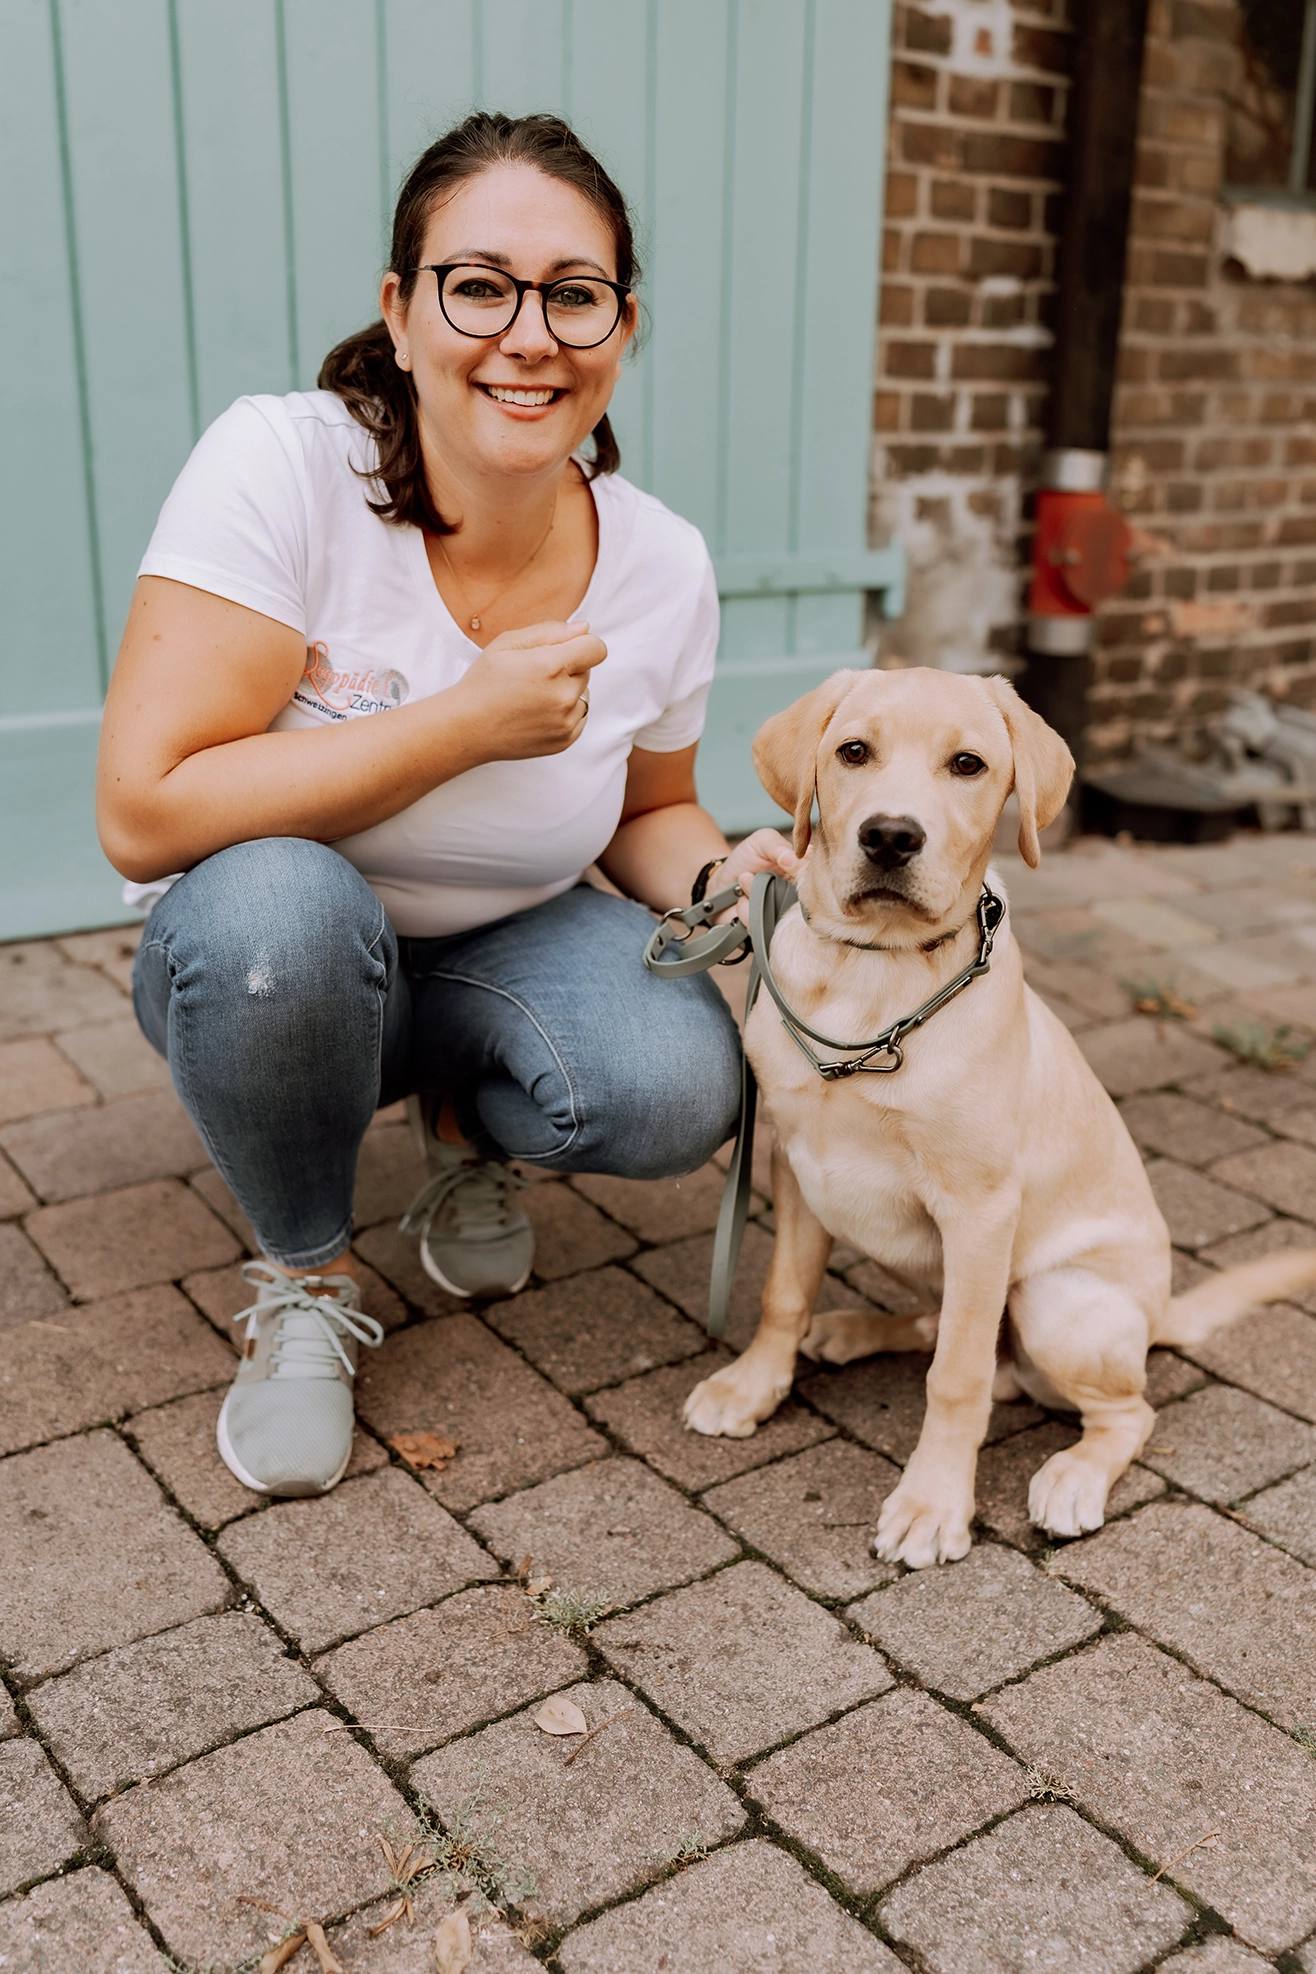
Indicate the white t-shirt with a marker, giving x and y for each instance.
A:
(269, 513)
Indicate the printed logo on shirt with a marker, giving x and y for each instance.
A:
(342, 695)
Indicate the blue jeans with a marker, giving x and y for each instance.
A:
(289, 1010)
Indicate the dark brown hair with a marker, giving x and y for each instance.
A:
(362, 370)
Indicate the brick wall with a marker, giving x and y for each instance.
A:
(978, 94)
(1214, 442)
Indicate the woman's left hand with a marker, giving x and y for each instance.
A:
(766, 849)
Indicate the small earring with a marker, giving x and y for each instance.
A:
(402, 359)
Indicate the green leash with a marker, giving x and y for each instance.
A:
(673, 957)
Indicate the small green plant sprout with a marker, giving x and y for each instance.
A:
(1045, 1786)
(573, 1610)
(468, 1852)
(1256, 1042)
(1305, 1737)
(689, 1847)
(1160, 998)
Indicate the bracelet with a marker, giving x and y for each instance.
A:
(699, 889)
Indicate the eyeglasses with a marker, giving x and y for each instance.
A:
(580, 311)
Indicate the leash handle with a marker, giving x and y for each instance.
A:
(672, 957)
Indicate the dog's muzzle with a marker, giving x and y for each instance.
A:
(891, 842)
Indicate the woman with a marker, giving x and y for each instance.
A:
(401, 664)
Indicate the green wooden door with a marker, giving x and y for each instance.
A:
(198, 195)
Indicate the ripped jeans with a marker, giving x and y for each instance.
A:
(289, 1010)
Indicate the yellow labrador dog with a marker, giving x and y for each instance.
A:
(991, 1169)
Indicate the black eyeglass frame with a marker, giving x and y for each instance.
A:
(441, 269)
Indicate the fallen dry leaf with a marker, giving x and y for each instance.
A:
(389, 1917)
(324, 1953)
(452, 1943)
(559, 1716)
(425, 1449)
(272, 1961)
(537, 1585)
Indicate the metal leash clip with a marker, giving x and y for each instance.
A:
(672, 956)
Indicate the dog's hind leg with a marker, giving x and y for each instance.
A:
(733, 1401)
(1087, 1338)
(838, 1336)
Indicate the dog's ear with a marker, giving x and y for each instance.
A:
(786, 748)
(1043, 767)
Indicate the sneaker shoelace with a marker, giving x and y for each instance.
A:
(477, 1196)
(307, 1341)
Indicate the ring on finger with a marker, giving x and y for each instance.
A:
(583, 703)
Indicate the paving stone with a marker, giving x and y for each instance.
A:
(612, 1527)
(749, 1909)
(742, 1660)
(1153, 921)
(453, 1377)
(1274, 1237)
(82, 1921)
(1196, 1133)
(70, 1153)
(223, 1293)
(1164, 1759)
(1198, 1210)
(9, 1723)
(34, 1076)
(410, 1949)
(681, 1273)
(1261, 1095)
(1222, 1443)
(967, 1629)
(373, 1549)
(91, 1557)
(389, 1174)
(39, 990)
(1140, 1054)
(438, 1673)
(1292, 1004)
(15, 1196)
(593, 1829)
(882, 1399)
(1237, 964)
(885, 1786)
(881, 1289)
(177, 1442)
(1300, 1124)
(1004, 1472)
(116, 1057)
(1282, 1174)
(1235, 1608)
(288, 1814)
(1043, 1890)
(594, 1329)
(1168, 1376)
(1217, 1956)
(113, 951)
(570, 1234)
(129, 1239)
(101, 1361)
(396, 1258)
(814, 1515)
(658, 1209)
(1086, 988)
(27, 1287)
(155, 1704)
(39, 1822)
(218, 1196)
(1074, 934)
(1288, 1514)
(646, 1413)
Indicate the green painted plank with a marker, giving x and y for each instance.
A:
(48, 639)
(334, 152)
(744, 694)
(522, 55)
(55, 878)
(229, 104)
(429, 72)
(123, 161)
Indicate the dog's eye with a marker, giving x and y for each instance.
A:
(855, 752)
(967, 765)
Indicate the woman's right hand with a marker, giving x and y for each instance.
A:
(528, 691)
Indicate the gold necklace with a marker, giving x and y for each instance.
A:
(465, 594)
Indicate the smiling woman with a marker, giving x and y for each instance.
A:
(406, 656)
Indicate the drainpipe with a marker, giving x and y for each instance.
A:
(1081, 542)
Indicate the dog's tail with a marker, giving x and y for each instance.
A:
(1224, 1298)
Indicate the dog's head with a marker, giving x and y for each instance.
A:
(909, 771)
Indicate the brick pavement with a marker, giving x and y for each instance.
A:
(1101, 1755)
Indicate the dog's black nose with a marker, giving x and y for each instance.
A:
(890, 841)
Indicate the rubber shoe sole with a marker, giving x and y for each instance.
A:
(436, 1274)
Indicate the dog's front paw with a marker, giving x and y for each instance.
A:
(1068, 1495)
(838, 1336)
(916, 1529)
(731, 1403)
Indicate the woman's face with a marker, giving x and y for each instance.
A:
(473, 392)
